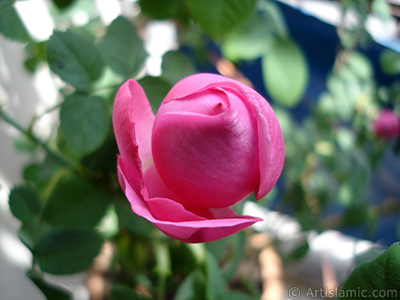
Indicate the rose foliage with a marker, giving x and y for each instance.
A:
(212, 143)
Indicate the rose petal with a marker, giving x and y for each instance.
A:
(211, 161)
(133, 123)
(271, 149)
(271, 145)
(195, 231)
(194, 83)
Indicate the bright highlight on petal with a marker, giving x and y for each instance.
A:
(212, 143)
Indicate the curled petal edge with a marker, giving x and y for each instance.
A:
(196, 231)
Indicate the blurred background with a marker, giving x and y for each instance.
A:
(328, 68)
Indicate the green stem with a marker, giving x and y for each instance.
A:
(8, 119)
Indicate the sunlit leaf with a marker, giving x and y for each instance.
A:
(74, 58)
(219, 17)
(255, 32)
(176, 66)
(156, 89)
(376, 279)
(285, 72)
(11, 25)
(122, 48)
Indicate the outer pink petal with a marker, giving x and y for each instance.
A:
(271, 145)
(133, 123)
(178, 223)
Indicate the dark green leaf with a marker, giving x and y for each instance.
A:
(120, 292)
(176, 66)
(162, 9)
(233, 295)
(300, 251)
(398, 230)
(67, 251)
(29, 232)
(390, 61)
(62, 4)
(122, 48)
(219, 17)
(75, 202)
(229, 252)
(376, 279)
(285, 72)
(11, 25)
(50, 291)
(85, 122)
(156, 89)
(24, 203)
(128, 219)
(103, 159)
(215, 283)
(192, 288)
(355, 215)
(75, 59)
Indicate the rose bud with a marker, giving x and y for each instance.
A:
(386, 125)
(213, 142)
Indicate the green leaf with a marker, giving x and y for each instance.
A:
(230, 251)
(161, 9)
(219, 17)
(75, 59)
(390, 61)
(376, 279)
(381, 9)
(255, 32)
(156, 89)
(360, 66)
(121, 292)
(76, 202)
(67, 251)
(11, 25)
(128, 219)
(285, 72)
(122, 48)
(192, 288)
(233, 295)
(176, 66)
(24, 203)
(63, 4)
(85, 122)
(215, 284)
(50, 291)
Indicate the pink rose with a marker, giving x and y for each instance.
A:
(212, 143)
(386, 125)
